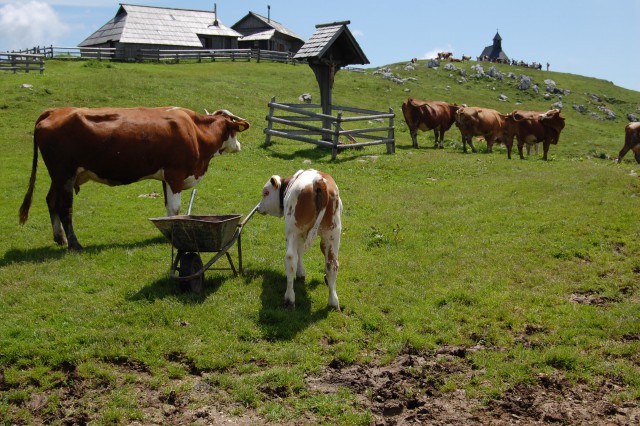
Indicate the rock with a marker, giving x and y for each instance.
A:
(632, 117)
(549, 82)
(595, 98)
(493, 72)
(610, 115)
(536, 88)
(503, 98)
(433, 63)
(525, 83)
(27, 86)
(557, 105)
(580, 108)
(450, 67)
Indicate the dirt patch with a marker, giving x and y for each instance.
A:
(410, 391)
(415, 388)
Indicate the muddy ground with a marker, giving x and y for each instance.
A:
(406, 391)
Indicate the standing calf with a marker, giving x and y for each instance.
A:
(311, 205)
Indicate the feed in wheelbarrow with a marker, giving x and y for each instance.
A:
(311, 205)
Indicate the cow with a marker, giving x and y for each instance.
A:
(428, 115)
(119, 146)
(531, 127)
(631, 141)
(466, 58)
(310, 203)
(485, 122)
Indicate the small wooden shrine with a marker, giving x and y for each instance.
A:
(329, 49)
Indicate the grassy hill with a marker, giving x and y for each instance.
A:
(473, 287)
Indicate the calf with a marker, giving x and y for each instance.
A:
(631, 141)
(311, 205)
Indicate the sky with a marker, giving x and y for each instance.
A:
(594, 38)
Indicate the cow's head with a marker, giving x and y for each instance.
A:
(234, 125)
(271, 202)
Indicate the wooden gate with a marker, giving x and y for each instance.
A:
(304, 122)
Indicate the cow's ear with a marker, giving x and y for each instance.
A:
(275, 181)
(242, 125)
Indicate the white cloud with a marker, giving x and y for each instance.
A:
(25, 25)
(432, 54)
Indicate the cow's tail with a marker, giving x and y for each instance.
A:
(26, 204)
(320, 197)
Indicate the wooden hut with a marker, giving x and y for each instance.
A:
(259, 32)
(146, 27)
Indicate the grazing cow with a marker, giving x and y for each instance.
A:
(485, 122)
(466, 58)
(531, 127)
(631, 141)
(311, 205)
(118, 146)
(428, 115)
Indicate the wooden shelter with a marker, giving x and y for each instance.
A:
(329, 49)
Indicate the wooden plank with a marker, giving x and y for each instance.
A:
(298, 138)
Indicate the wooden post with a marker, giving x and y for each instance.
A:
(336, 136)
(391, 146)
(267, 140)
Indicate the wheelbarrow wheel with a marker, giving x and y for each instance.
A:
(191, 263)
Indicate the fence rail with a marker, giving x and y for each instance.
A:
(26, 62)
(33, 59)
(301, 126)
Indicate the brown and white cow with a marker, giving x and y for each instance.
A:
(530, 127)
(428, 115)
(485, 122)
(311, 205)
(118, 146)
(631, 141)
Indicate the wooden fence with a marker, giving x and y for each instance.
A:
(26, 62)
(301, 127)
(56, 52)
(212, 54)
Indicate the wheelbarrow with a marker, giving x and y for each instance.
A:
(191, 235)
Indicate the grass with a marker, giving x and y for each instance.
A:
(439, 248)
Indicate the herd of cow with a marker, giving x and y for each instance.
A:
(118, 146)
(527, 127)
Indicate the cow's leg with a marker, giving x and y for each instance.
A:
(60, 201)
(414, 137)
(330, 245)
(441, 142)
(171, 200)
(509, 147)
(489, 144)
(300, 271)
(623, 152)
(53, 202)
(636, 152)
(520, 144)
(435, 138)
(290, 267)
(473, 148)
(545, 149)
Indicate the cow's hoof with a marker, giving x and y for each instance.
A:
(288, 304)
(77, 248)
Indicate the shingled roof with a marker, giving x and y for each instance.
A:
(159, 25)
(335, 39)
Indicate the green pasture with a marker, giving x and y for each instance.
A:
(535, 264)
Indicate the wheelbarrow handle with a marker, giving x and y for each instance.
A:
(246, 219)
